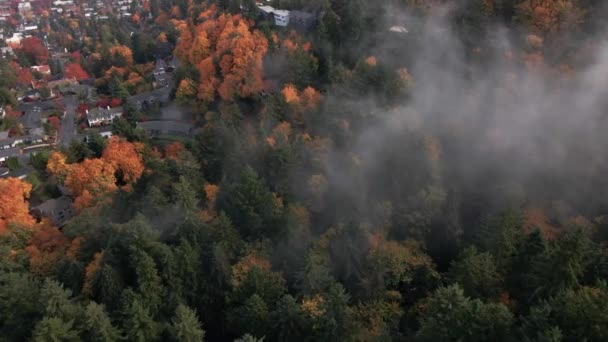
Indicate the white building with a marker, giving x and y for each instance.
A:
(102, 116)
(281, 17)
(24, 8)
(15, 39)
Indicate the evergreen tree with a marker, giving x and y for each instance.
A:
(185, 326)
(55, 329)
(139, 324)
(97, 325)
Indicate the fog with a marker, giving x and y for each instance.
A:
(505, 130)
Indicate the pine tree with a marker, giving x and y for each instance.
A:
(55, 329)
(98, 327)
(185, 326)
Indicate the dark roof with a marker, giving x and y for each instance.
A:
(161, 94)
(41, 105)
(168, 127)
(9, 152)
(31, 118)
(161, 65)
(58, 210)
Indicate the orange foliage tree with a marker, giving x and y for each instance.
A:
(90, 179)
(226, 43)
(243, 72)
(125, 158)
(13, 203)
(208, 80)
(122, 56)
(550, 16)
(172, 151)
(45, 248)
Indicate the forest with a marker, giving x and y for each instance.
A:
(401, 170)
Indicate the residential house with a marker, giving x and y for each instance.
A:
(31, 119)
(302, 21)
(43, 69)
(170, 127)
(15, 39)
(161, 77)
(9, 153)
(398, 29)
(279, 17)
(6, 51)
(58, 210)
(102, 116)
(64, 82)
(150, 98)
(5, 10)
(24, 8)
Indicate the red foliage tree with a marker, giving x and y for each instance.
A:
(55, 122)
(35, 49)
(74, 70)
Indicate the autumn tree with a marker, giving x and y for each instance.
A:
(74, 70)
(90, 179)
(186, 90)
(208, 81)
(200, 48)
(34, 49)
(121, 55)
(241, 64)
(551, 16)
(14, 208)
(125, 158)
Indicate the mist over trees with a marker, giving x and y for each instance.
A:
(404, 171)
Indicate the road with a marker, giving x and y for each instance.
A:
(68, 127)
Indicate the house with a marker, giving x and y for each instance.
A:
(150, 98)
(15, 39)
(170, 127)
(24, 8)
(43, 69)
(161, 77)
(31, 119)
(5, 10)
(64, 82)
(398, 29)
(9, 153)
(279, 17)
(302, 21)
(98, 116)
(81, 90)
(162, 80)
(58, 210)
(6, 51)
